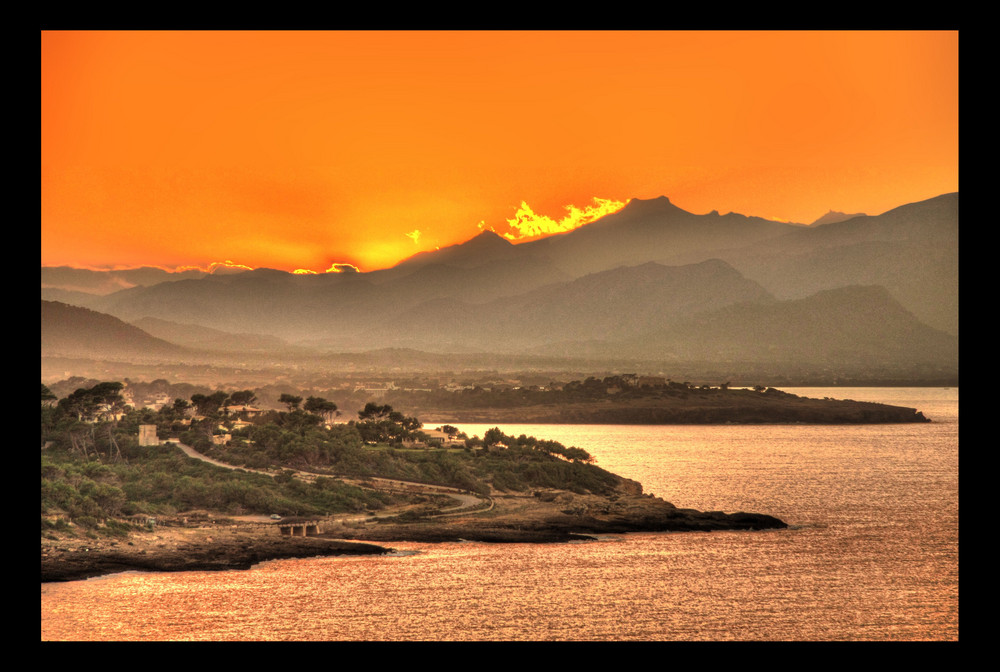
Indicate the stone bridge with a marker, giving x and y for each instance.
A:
(299, 527)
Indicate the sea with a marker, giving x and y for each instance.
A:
(871, 553)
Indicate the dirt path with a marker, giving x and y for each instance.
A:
(466, 501)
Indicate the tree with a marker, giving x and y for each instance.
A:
(218, 400)
(48, 410)
(242, 398)
(95, 403)
(102, 402)
(291, 401)
(495, 436)
(381, 424)
(320, 406)
(199, 401)
(209, 405)
(373, 411)
(111, 406)
(80, 404)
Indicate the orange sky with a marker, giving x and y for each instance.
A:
(297, 150)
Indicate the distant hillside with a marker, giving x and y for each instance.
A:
(912, 251)
(70, 331)
(194, 336)
(609, 305)
(338, 306)
(851, 326)
(71, 297)
(651, 281)
(105, 282)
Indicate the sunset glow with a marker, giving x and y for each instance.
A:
(312, 151)
(526, 224)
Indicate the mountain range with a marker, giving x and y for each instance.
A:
(651, 282)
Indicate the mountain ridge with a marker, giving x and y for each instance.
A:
(643, 273)
(74, 331)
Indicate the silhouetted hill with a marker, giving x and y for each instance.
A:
(70, 331)
(651, 230)
(608, 288)
(485, 247)
(206, 338)
(851, 326)
(263, 301)
(71, 297)
(336, 306)
(105, 282)
(608, 305)
(490, 279)
(833, 216)
(855, 324)
(912, 251)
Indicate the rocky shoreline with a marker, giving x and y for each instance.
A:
(540, 517)
(560, 516)
(209, 548)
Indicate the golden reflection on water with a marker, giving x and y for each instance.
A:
(685, 586)
(872, 555)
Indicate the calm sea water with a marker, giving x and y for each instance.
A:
(872, 553)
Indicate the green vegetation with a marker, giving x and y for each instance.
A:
(619, 388)
(525, 463)
(166, 482)
(381, 424)
(94, 472)
(97, 476)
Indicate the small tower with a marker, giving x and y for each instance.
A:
(147, 435)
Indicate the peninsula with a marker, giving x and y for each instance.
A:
(207, 541)
(634, 400)
(288, 485)
(212, 541)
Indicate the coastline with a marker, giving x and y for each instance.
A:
(175, 549)
(542, 517)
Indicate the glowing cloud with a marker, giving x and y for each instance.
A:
(223, 266)
(216, 267)
(342, 268)
(415, 235)
(527, 224)
(334, 268)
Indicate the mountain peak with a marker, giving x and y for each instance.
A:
(834, 216)
(480, 249)
(488, 237)
(642, 208)
(643, 203)
(484, 242)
